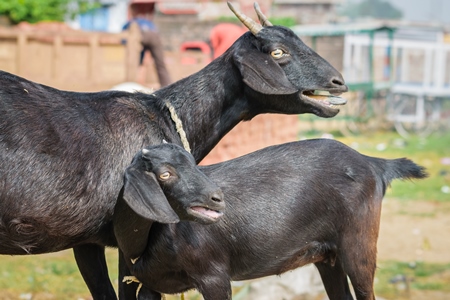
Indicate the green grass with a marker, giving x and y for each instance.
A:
(49, 276)
(419, 276)
(56, 276)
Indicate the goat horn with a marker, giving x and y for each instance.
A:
(249, 23)
(262, 18)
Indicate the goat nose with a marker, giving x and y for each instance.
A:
(217, 196)
(339, 81)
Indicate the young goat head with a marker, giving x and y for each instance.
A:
(163, 184)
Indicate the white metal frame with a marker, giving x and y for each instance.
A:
(434, 83)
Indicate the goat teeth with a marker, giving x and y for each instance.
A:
(322, 93)
(331, 99)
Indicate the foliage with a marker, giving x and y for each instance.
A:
(371, 8)
(34, 11)
(227, 19)
(282, 21)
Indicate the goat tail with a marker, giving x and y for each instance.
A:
(401, 168)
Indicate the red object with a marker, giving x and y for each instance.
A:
(223, 35)
(197, 46)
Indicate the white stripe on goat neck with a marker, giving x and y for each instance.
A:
(178, 126)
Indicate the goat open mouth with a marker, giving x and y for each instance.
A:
(201, 211)
(324, 98)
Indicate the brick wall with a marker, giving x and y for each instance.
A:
(261, 131)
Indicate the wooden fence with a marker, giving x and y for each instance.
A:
(70, 58)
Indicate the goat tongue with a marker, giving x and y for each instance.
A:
(207, 212)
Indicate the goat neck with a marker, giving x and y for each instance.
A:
(215, 94)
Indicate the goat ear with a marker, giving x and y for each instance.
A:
(264, 75)
(144, 196)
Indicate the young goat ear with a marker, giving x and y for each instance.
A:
(262, 74)
(144, 196)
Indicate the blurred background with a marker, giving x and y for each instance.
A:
(395, 58)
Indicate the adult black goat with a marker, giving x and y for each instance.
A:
(63, 153)
(315, 201)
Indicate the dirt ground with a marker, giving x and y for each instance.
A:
(415, 231)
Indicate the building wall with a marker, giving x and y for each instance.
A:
(260, 132)
(329, 47)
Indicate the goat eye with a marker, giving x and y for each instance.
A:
(277, 53)
(164, 176)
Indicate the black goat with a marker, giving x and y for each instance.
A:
(63, 153)
(315, 201)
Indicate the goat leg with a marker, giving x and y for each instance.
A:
(361, 273)
(146, 294)
(91, 262)
(128, 291)
(132, 291)
(215, 287)
(360, 265)
(334, 280)
(360, 261)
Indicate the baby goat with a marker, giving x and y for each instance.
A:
(315, 201)
(162, 184)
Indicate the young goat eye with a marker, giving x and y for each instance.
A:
(164, 176)
(277, 53)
